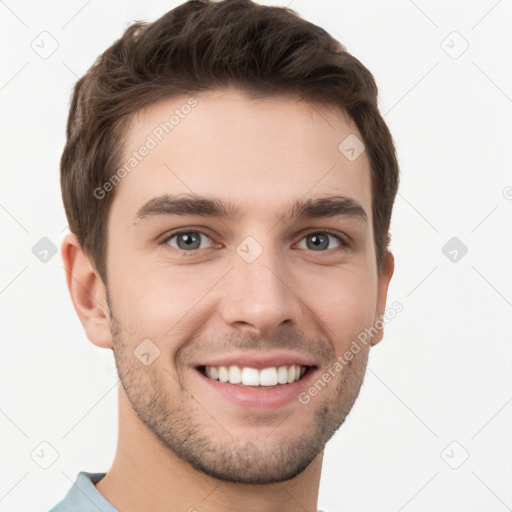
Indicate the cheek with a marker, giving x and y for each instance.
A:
(345, 304)
(160, 301)
(164, 303)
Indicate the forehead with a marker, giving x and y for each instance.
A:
(255, 153)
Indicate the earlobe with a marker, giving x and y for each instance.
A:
(384, 277)
(87, 292)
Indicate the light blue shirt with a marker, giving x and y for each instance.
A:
(84, 497)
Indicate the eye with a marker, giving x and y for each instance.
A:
(190, 241)
(186, 240)
(321, 241)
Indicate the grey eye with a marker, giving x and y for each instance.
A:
(320, 241)
(186, 241)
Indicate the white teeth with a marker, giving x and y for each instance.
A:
(250, 377)
(282, 375)
(291, 374)
(223, 374)
(268, 377)
(235, 375)
(246, 376)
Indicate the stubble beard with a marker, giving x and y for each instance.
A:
(194, 433)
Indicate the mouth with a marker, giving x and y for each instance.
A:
(246, 376)
(250, 381)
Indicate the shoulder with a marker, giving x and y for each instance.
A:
(83, 496)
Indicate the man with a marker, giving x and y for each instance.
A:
(228, 182)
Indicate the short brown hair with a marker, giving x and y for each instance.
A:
(199, 46)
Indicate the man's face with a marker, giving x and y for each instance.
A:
(260, 289)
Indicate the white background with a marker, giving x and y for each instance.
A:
(443, 371)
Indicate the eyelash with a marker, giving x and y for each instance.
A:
(344, 244)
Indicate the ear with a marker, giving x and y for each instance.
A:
(384, 277)
(87, 292)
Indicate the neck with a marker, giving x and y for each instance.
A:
(145, 475)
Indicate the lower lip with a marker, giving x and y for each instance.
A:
(258, 397)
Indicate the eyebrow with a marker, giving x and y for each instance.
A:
(192, 204)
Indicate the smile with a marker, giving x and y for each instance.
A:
(247, 376)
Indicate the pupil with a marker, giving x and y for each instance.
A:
(321, 241)
(188, 241)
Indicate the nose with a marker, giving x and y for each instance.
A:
(261, 295)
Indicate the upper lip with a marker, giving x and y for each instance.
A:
(260, 360)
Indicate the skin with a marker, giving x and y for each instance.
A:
(180, 445)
